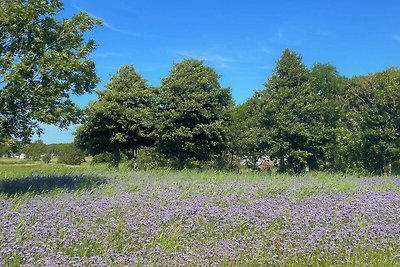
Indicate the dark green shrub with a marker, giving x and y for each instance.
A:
(46, 158)
(149, 158)
(395, 168)
(102, 158)
(71, 155)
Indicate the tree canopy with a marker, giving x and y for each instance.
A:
(286, 104)
(374, 104)
(193, 113)
(43, 60)
(122, 120)
(304, 118)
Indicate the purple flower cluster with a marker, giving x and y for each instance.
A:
(173, 222)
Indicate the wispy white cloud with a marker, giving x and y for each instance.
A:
(323, 33)
(278, 36)
(105, 23)
(266, 50)
(266, 67)
(109, 54)
(396, 37)
(288, 36)
(221, 61)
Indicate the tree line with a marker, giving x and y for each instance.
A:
(320, 119)
(303, 118)
(310, 118)
(39, 151)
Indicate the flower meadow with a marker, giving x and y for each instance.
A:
(191, 219)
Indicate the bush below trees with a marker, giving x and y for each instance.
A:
(71, 155)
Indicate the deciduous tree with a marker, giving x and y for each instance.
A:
(286, 111)
(374, 102)
(123, 119)
(193, 113)
(43, 60)
(247, 137)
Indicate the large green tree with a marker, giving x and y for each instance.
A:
(193, 113)
(326, 117)
(301, 111)
(284, 117)
(374, 103)
(43, 60)
(122, 120)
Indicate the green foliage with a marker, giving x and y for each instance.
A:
(9, 146)
(122, 120)
(71, 155)
(46, 159)
(328, 115)
(295, 119)
(37, 149)
(150, 158)
(247, 137)
(374, 104)
(289, 73)
(43, 60)
(34, 150)
(305, 117)
(193, 114)
(102, 158)
(395, 167)
(54, 149)
(287, 109)
(317, 118)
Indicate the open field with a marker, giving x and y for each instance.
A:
(91, 216)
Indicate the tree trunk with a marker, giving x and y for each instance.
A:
(116, 157)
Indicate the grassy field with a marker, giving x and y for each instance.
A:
(54, 215)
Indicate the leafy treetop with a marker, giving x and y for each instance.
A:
(43, 60)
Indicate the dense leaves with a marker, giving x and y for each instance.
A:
(316, 119)
(35, 150)
(71, 155)
(193, 113)
(247, 138)
(122, 120)
(374, 102)
(43, 60)
(305, 118)
(284, 117)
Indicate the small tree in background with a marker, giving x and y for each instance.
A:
(46, 158)
(9, 146)
(71, 155)
(247, 137)
(302, 110)
(35, 150)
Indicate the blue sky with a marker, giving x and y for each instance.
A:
(241, 40)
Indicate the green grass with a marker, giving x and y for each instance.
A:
(15, 168)
(300, 186)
